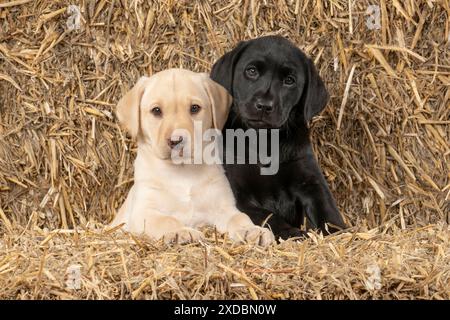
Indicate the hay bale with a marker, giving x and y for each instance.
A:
(383, 140)
(90, 264)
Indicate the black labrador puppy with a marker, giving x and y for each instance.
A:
(275, 86)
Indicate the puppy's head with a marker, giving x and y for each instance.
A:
(269, 78)
(159, 108)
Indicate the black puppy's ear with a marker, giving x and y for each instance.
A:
(222, 71)
(315, 95)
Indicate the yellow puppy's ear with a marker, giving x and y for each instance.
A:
(128, 111)
(220, 102)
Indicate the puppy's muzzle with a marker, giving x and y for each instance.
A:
(264, 105)
(175, 141)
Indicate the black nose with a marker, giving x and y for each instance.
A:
(266, 106)
(172, 142)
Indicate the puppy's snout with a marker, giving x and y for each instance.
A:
(266, 106)
(174, 141)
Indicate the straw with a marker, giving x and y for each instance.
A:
(66, 164)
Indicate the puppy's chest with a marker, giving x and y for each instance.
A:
(182, 198)
(175, 193)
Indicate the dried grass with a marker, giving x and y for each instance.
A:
(361, 265)
(383, 143)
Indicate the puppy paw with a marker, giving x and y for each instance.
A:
(184, 235)
(292, 233)
(254, 234)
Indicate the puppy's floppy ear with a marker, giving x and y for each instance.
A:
(223, 69)
(315, 95)
(220, 101)
(128, 111)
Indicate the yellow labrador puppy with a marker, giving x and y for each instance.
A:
(169, 200)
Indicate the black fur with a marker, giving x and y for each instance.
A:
(258, 74)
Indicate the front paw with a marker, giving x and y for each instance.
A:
(184, 235)
(292, 233)
(254, 234)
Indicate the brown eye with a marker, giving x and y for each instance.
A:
(195, 108)
(289, 80)
(156, 111)
(251, 72)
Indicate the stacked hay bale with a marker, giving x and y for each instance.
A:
(383, 140)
